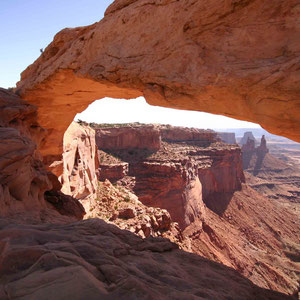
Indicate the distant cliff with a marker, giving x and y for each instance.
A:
(227, 137)
(190, 168)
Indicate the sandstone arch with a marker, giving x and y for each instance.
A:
(238, 58)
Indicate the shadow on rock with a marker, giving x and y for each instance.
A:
(94, 260)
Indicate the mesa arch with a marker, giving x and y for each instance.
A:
(238, 58)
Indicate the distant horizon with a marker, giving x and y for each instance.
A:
(112, 111)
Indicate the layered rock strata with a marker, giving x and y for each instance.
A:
(191, 163)
(139, 137)
(227, 137)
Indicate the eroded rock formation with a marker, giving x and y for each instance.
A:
(272, 177)
(216, 57)
(139, 137)
(79, 176)
(25, 183)
(190, 163)
(227, 137)
(95, 260)
(253, 157)
(117, 205)
(24, 179)
(206, 56)
(247, 135)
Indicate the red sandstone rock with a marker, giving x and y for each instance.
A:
(221, 177)
(80, 160)
(121, 207)
(113, 172)
(245, 236)
(95, 260)
(127, 213)
(141, 137)
(172, 186)
(169, 179)
(23, 177)
(65, 205)
(216, 57)
(185, 134)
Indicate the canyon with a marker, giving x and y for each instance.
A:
(200, 182)
(182, 186)
(154, 212)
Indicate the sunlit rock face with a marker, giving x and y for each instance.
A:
(80, 164)
(214, 56)
(190, 166)
(139, 137)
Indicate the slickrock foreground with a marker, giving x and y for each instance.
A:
(239, 58)
(94, 260)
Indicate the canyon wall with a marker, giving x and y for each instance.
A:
(146, 137)
(184, 134)
(221, 178)
(227, 137)
(214, 56)
(171, 185)
(79, 176)
(190, 167)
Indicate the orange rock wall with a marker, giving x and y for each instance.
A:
(146, 137)
(80, 163)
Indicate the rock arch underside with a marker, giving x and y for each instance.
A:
(238, 58)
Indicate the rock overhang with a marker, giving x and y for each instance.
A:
(235, 58)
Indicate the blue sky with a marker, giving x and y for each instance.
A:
(26, 26)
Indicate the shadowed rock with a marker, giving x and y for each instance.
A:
(93, 260)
